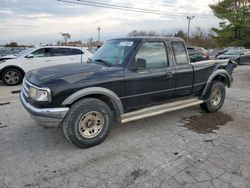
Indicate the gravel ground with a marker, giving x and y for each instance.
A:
(186, 148)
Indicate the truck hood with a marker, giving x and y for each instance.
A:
(70, 73)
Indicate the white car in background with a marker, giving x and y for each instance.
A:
(12, 71)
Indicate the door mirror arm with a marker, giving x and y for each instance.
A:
(138, 64)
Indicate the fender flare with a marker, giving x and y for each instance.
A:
(96, 91)
(220, 72)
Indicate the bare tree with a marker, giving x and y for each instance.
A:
(66, 36)
(199, 37)
(135, 33)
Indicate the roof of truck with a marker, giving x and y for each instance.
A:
(150, 38)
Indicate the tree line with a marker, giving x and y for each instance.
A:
(200, 37)
(233, 29)
(15, 45)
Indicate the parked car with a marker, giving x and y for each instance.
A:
(220, 53)
(4, 52)
(227, 49)
(197, 54)
(12, 71)
(7, 57)
(126, 79)
(9, 53)
(241, 56)
(243, 59)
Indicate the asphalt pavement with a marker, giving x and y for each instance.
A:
(185, 148)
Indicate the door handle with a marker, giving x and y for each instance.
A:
(169, 75)
(47, 61)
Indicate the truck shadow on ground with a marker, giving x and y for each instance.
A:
(201, 123)
(39, 139)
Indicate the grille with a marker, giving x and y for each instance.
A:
(26, 88)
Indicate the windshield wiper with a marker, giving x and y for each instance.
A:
(104, 62)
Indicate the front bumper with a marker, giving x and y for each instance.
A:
(47, 117)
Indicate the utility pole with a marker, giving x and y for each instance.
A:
(189, 18)
(81, 43)
(99, 33)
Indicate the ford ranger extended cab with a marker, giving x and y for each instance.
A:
(127, 79)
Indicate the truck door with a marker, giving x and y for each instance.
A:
(184, 70)
(155, 82)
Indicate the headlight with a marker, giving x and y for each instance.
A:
(41, 95)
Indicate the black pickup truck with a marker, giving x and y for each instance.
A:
(127, 79)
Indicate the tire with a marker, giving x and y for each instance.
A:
(12, 77)
(215, 98)
(87, 123)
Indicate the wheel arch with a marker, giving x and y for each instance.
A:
(11, 67)
(219, 75)
(103, 94)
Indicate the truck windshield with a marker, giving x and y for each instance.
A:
(113, 52)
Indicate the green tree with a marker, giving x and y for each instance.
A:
(12, 44)
(181, 34)
(235, 26)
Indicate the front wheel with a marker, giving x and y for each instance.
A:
(88, 122)
(216, 97)
(12, 77)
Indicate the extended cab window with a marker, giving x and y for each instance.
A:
(154, 53)
(180, 53)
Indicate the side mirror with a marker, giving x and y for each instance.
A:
(140, 63)
(29, 56)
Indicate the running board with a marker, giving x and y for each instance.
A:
(160, 109)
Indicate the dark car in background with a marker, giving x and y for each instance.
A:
(197, 54)
(220, 53)
(227, 49)
(243, 60)
(242, 56)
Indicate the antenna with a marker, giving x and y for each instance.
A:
(81, 43)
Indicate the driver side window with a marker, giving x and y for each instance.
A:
(44, 52)
(154, 53)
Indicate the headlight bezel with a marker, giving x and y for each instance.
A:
(39, 90)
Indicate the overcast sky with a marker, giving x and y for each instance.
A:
(41, 21)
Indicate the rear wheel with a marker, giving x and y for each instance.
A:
(88, 122)
(215, 98)
(12, 77)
